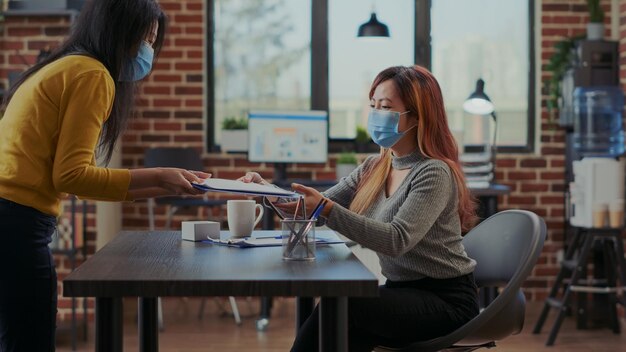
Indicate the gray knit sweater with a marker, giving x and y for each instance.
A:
(416, 232)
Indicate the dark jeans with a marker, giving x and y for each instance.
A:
(28, 280)
(404, 312)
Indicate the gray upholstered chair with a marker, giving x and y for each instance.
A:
(506, 247)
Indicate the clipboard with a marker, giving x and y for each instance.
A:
(232, 186)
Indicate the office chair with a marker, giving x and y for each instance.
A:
(184, 158)
(506, 247)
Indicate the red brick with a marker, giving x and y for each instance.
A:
(194, 30)
(195, 78)
(189, 66)
(166, 78)
(155, 138)
(170, 54)
(156, 114)
(551, 200)
(193, 103)
(188, 19)
(534, 187)
(188, 114)
(167, 126)
(162, 90)
(522, 200)
(522, 175)
(194, 6)
(188, 42)
(162, 66)
(24, 31)
(174, 103)
(187, 90)
(552, 151)
(188, 138)
(550, 175)
(169, 7)
(57, 31)
(505, 162)
(533, 163)
(195, 54)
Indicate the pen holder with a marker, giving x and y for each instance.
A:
(298, 239)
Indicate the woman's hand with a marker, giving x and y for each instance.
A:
(253, 177)
(311, 198)
(178, 181)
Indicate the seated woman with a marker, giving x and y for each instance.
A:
(410, 205)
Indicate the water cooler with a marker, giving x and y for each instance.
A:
(591, 113)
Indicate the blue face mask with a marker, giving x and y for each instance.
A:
(382, 125)
(139, 67)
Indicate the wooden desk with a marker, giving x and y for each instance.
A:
(151, 264)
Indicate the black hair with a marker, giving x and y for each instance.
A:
(111, 32)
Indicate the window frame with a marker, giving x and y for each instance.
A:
(320, 63)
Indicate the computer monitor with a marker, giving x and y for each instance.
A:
(288, 136)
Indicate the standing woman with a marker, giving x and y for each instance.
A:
(410, 205)
(60, 111)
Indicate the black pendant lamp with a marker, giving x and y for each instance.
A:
(373, 28)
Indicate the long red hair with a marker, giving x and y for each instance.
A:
(421, 95)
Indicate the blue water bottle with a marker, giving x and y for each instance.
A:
(598, 121)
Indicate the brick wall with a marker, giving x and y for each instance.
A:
(171, 112)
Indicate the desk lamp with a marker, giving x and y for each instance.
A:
(478, 103)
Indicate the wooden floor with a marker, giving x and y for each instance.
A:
(217, 331)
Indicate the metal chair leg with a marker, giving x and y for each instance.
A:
(160, 314)
(233, 306)
(151, 213)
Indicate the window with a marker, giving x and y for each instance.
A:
(488, 39)
(304, 54)
(354, 62)
(261, 57)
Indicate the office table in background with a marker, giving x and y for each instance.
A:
(487, 206)
(151, 264)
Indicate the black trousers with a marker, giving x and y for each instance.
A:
(28, 280)
(404, 312)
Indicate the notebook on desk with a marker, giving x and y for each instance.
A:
(272, 239)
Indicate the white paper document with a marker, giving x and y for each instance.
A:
(233, 186)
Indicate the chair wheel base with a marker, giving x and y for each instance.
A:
(261, 324)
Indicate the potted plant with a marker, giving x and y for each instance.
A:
(362, 139)
(595, 27)
(558, 64)
(346, 162)
(234, 134)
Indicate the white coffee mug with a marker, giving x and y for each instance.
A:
(242, 217)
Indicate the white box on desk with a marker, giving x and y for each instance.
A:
(200, 230)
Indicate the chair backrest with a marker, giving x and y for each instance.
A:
(506, 247)
(184, 158)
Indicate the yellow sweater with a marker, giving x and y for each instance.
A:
(49, 133)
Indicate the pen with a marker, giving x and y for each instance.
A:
(266, 237)
(295, 214)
